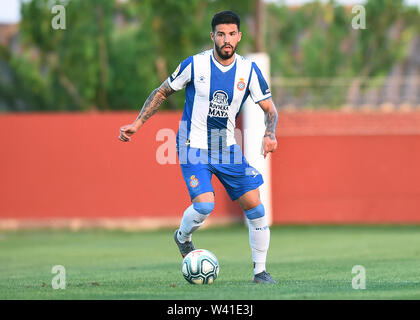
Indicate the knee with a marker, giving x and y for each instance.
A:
(256, 212)
(204, 207)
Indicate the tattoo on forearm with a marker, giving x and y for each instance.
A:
(271, 123)
(153, 102)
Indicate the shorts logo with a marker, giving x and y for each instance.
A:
(219, 105)
(251, 172)
(193, 181)
(241, 84)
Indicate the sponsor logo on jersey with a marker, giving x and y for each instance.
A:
(219, 105)
(241, 84)
(193, 181)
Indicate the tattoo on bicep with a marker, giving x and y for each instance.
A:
(153, 102)
(166, 89)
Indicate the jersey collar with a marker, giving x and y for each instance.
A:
(221, 66)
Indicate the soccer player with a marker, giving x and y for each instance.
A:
(217, 82)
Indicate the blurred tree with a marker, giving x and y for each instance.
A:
(172, 30)
(317, 40)
(376, 51)
(74, 60)
(113, 53)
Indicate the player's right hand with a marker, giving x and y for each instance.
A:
(126, 132)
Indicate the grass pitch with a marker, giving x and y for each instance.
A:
(308, 262)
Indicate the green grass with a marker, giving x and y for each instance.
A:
(308, 262)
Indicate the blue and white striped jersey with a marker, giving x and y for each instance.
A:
(214, 96)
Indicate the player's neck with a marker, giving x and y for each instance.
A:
(222, 61)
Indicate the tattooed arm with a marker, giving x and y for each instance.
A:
(151, 105)
(270, 142)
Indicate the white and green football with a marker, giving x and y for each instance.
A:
(200, 267)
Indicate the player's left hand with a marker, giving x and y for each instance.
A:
(269, 145)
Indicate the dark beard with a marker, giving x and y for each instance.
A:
(222, 55)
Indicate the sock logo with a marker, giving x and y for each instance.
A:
(261, 229)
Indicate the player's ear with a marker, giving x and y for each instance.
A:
(212, 35)
(240, 36)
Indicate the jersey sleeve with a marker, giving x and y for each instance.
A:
(182, 75)
(258, 87)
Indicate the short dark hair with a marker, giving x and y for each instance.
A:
(225, 17)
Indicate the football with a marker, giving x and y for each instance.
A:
(200, 267)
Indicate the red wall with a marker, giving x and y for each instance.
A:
(347, 179)
(74, 166)
(347, 168)
(329, 168)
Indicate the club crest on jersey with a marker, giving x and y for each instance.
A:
(219, 105)
(241, 84)
(193, 181)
